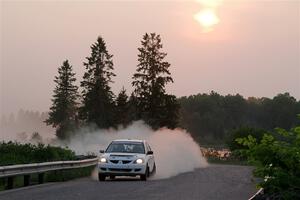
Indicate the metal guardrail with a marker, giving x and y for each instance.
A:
(260, 191)
(26, 169)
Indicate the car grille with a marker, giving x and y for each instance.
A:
(122, 162)
(115, 155)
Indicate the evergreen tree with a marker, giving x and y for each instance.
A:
(171, 112)
(122, 108)
(150, 79)
(36, 138)
(63, 112)
(133, 112)
(98, 105)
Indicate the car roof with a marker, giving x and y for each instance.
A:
(128, 140)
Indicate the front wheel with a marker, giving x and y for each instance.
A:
(146, 175)
(112, 177)
(101, 177)
(154, 170)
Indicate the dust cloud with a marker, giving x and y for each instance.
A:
(175, 151)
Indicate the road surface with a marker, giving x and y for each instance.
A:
(215, 182)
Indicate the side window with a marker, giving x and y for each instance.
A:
(148, 147)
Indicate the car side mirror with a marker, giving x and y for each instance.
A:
(150, 153)
(101, 151)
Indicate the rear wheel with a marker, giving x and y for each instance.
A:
(101, 177)
(146, 175)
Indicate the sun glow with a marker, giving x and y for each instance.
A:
(207, 18)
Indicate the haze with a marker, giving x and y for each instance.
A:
(254, 50)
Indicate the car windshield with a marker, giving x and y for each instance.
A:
(126, 147)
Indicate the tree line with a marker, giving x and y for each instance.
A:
(212, 118)
(24, 126)
(98, 105)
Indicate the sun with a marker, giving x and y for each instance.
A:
(207, 18)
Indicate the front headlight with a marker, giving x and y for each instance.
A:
(139, 161)
(103, 160)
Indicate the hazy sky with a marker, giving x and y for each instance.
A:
(253, 48)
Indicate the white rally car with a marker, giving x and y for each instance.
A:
(126, 158)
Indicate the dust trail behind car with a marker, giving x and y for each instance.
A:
(175, 151)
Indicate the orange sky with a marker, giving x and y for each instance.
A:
(254, 50)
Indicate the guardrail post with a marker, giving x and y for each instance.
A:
(26, 180)
(10, 182)
(41, 178)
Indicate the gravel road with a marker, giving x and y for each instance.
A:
(226, 182)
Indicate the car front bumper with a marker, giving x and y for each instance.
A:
(121, 169)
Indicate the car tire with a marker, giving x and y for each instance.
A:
(112, 177)
(153, 170)
(101, 177)
(146, 175)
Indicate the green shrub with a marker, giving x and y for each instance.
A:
(240, 133)
(12, 153)
(277, 162)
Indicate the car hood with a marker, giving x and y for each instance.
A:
(122, 156)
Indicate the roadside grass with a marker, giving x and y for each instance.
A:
(52, 176)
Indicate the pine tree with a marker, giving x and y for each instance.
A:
(133, 110)
(170, 113)
(98, 105)
(122, 108)
(63, 112)
(156, 108)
